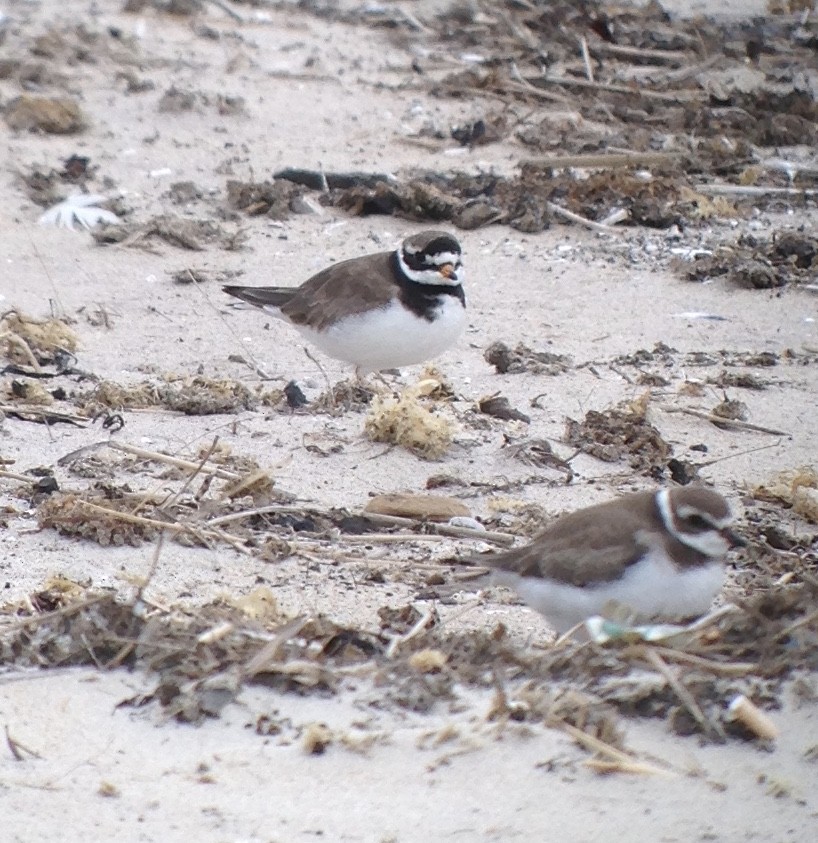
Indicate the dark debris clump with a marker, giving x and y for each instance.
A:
(77, 515)
(620, 434)
(273, 198)
(197, 396)
(788, 257)
(521, 359)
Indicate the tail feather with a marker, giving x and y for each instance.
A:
(261, 296)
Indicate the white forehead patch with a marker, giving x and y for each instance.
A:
(442, 258)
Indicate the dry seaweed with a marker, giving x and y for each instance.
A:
(538, 452)
(620, 434)
(198, 663)
(740, 380)
(275, 199)
(797, 488)
(197, 670)
(182, 233)
(347, 395)
(52, 115)
(523, 359)
(74, 515)
(415, 420)
(34, 343)
(197, 396)
(526, 203)
(731, 409)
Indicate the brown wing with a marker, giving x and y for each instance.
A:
(262, 296)
(591, 545)
(352, 286)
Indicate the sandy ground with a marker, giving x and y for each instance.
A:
(319, 93)
(105, 772)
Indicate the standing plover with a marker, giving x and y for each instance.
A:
(378, 311)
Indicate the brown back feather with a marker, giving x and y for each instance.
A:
(607, 545)
(352, 286)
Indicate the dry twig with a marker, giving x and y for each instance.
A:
(721, 420)
(576, 218)
(423, 621)
(688, 96)
(488, 536)
(155, 456)
(602, 160)
(626, 52)
(22, 478)
(47, 416)
(686, 698)
(18, 749)
(720, 668)
(754, 190)
(616, 756)
(504, 539)
(586, 59)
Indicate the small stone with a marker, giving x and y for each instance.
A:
(429, 507)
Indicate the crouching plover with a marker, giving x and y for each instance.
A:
(658, 554)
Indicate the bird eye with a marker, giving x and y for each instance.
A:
(697, 522)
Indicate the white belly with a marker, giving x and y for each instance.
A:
(652, 588)
(390, 337)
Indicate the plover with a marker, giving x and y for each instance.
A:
(657, 554)
(379, 311)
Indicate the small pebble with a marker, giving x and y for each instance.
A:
(466, 521)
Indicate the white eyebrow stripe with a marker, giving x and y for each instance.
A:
(687, 511)
(442, 258)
